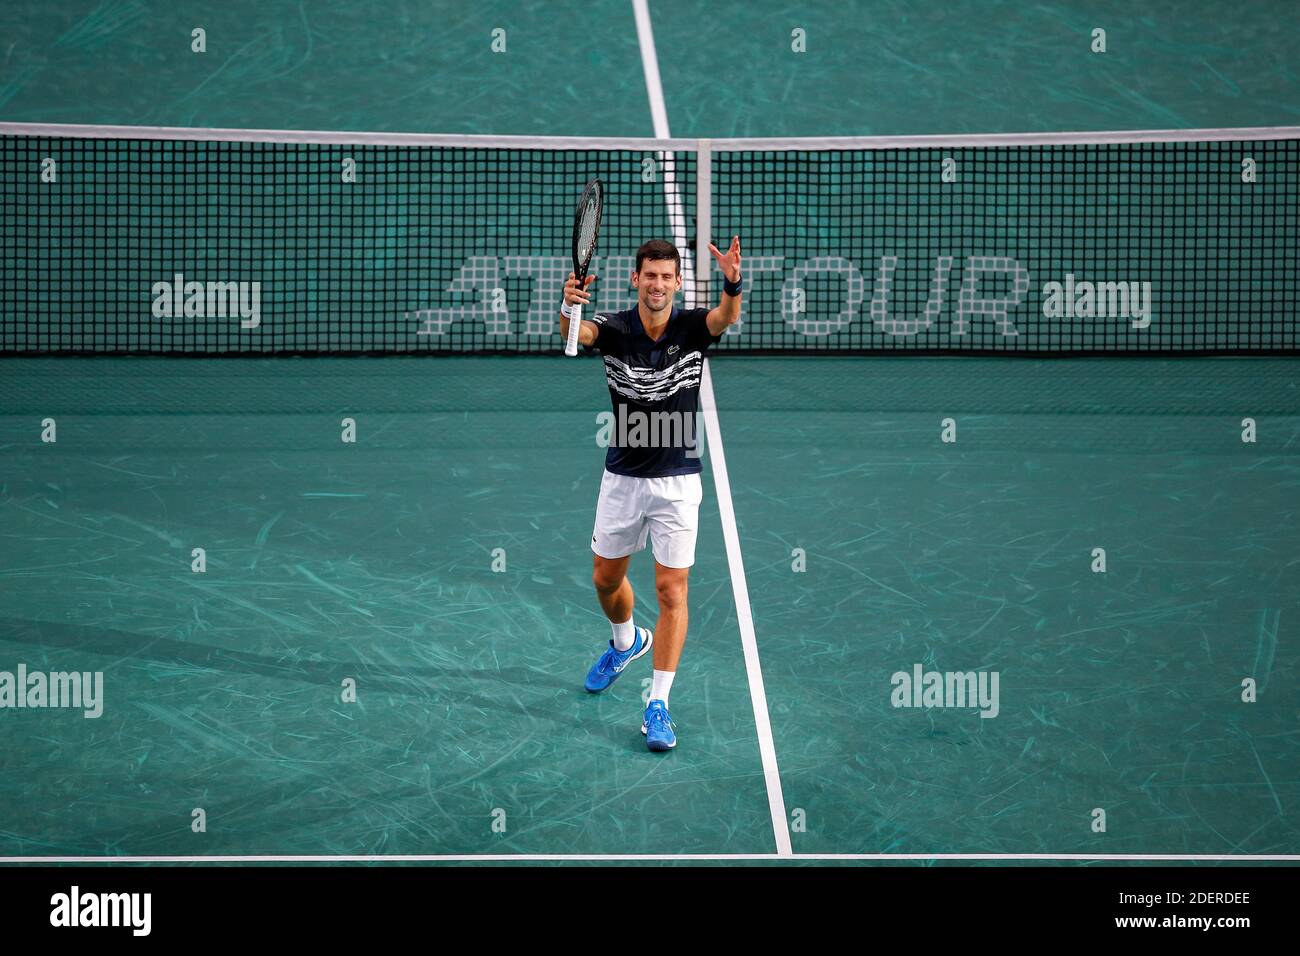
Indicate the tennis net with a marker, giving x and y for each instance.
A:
(134, 240)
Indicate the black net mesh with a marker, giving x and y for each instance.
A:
(177, 246)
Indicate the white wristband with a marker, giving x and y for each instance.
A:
(566, 310)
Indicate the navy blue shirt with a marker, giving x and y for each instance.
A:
(655, 388)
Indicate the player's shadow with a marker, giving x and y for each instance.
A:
(430, 682)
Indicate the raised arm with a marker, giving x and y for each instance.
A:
(728, 310)
(578, 296)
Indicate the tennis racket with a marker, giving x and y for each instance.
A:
(586, 226)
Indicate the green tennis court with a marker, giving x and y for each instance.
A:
(339, 601)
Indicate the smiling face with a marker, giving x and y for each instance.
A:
(656, 283)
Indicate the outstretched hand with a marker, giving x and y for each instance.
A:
(575, 294)
(729, 263)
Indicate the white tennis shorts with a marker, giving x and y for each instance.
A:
(665, 509)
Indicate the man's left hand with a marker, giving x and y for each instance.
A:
(729, 263)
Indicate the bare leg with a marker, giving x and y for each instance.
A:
(609, 575)
(670, 631)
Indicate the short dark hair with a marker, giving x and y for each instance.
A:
(658, 249)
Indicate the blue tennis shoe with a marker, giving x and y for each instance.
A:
(613, 662)
(658, 727)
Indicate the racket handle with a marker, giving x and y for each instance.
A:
(575, 326)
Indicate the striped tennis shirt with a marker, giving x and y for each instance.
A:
(655, 388)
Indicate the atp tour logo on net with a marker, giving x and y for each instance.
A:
(988, 289)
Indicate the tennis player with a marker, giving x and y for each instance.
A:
(654, 357)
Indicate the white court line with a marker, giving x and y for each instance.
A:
(615, 857)
(650, 66)
(739, 587)
(717, 459)
(205, 134)
(667, 161)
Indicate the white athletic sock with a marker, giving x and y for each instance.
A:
(624, 635)
(663, 682)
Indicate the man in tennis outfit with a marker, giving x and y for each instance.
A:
(654, 358)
